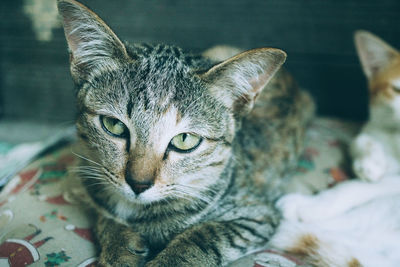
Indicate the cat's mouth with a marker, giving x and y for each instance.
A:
(146, 193)
(142, 192)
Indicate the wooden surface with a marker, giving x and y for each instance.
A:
(317, 35)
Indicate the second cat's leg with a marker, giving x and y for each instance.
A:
(120, 245)
(370, 161)
(337, 200)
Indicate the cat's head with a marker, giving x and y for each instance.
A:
(381, 65)
(156, 123)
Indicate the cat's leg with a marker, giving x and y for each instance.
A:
(120, 245)
(337, 200)
(370, 161)
(215, 243)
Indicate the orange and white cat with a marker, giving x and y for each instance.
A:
(353, 224)
(376, 150)
(356, 223)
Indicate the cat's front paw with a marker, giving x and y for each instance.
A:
(125, 250)
(370, 169)
(294, 207)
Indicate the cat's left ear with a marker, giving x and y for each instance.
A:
(93, 46)
(374, 53)
(239, 80)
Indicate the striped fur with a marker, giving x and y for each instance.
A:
(207, 207)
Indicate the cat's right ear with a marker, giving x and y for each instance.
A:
(238, 81)
(93, 46)
(375, 54)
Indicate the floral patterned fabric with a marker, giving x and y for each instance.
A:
(42, 224)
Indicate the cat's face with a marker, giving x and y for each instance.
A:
(158, 134)
(154, 123)
(381, 65)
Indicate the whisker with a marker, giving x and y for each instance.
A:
(198, 187)
(85, 168)
(99, 183)
(182, 195)
(82, 157)
(87, 171)
(94, 178)
(185, 190)
(193, 103)
(94, 172)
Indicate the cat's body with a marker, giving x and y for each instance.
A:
(376, 151)
(181, 162)
(356, 223)
(353, 224)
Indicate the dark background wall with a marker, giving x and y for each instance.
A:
(317, 35)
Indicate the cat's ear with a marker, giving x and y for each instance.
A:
(93, 45)
(239, 80)
(375, 54)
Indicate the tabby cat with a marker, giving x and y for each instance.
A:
(181, 163)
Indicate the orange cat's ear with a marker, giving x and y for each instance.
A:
(238, 81)
(92, 44)
(375, 54)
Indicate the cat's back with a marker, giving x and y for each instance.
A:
(272, 135)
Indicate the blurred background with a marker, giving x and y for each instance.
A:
(35, 84)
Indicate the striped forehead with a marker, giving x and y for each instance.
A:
(158, 131)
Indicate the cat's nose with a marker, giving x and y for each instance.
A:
(138, 186)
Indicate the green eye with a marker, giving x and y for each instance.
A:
(113, 126)
(185, 142)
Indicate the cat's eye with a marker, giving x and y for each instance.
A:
(113, 126)
(185, 142)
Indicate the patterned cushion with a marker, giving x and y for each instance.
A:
(41, 222)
